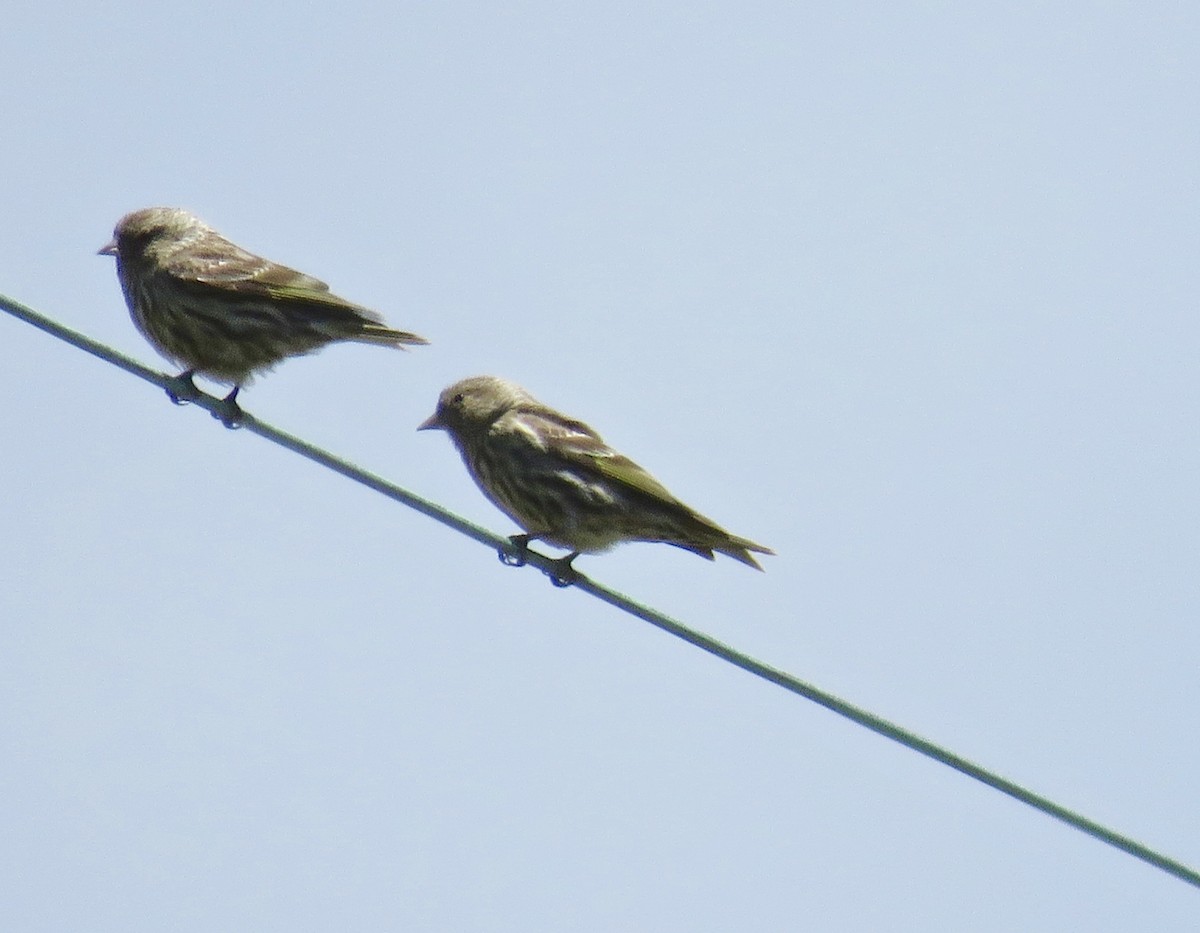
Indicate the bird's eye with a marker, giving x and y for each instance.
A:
(457, 400)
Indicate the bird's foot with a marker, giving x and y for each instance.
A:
(514, 555)
(182, 389)
(229, 412)
(560, 572)
(563, 573)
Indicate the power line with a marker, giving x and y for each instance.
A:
(548, 566)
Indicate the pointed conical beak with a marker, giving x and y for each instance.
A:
(108, 249)
(432, 423)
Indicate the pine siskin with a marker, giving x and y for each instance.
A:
(558, 480)
(220, 311)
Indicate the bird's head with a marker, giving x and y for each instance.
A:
(472, 405)
(136, 232)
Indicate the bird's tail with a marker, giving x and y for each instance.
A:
(386, 336)
(709, 538)
(740, 548)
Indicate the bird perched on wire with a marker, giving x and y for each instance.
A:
(219, 311)
(556, 478)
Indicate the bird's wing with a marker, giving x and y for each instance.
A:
(581, 446)
(226, 266)
(217, 261)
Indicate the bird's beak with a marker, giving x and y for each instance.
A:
(432, 423)
(108, 249)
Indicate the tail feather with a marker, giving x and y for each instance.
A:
(729, 545)
(386, 336)
(739, 549)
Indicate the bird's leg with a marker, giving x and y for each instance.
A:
(230, 412)
(564, 574)
(561, 572)
(182, 390)
(515, 556)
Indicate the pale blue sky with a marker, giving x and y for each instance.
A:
(906, 292)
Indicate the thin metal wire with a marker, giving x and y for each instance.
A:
(547, 565)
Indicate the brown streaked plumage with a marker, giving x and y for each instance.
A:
(556, 478)
(210, 306)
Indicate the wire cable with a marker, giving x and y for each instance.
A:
(547, 565)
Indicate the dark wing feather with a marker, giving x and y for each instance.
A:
(581, 447)
(221, 264)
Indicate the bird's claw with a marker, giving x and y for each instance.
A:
(563, 580)
(514, 554)
(229, 412)
(563, 574)
(182, 390)
(511, 559)
(560, 571)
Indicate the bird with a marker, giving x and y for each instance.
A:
(222, 312)
(557, 479)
